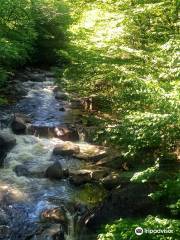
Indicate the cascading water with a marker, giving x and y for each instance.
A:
(23, 198)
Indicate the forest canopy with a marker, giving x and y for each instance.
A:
(30, 32)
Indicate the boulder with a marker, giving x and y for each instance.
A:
(114, 160)
(21, 170)
(61, 95)
(55, 89)
(56, 215)
(67, 133)
(20, 123)
(66, 149)
(91, 152)
(87, 175)
(98, 174)
(111, 181)
(54, 171)
(7, 142)
(80, 177)
(62, 109)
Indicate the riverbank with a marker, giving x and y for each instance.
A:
(45, 162)
(54, 175)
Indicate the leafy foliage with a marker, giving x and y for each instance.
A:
(127, 53)
(125, 229)
(169, 193)
(30, 29)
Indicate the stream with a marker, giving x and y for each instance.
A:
(24, 198)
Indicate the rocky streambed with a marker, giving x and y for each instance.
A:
(49, 177)
(54, 185)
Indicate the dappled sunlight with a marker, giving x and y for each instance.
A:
(14, 193)
(90, 118)
(102, 28)
(89, 151)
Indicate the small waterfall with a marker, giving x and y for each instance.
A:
(71, 227)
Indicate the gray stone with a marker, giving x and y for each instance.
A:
(66, 149)
(111, 181)
(61, 96)
(54, 171)
(80, 177)
(20, 123)
(7, 142)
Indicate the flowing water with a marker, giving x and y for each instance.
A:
(24, 198)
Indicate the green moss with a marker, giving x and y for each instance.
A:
(91, 194)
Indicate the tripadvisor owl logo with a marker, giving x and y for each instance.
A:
(139, 231)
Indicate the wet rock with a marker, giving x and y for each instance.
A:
(20, 123)
(130, 201)
(114, 160)
(91, 152)
(55, 215)
(87, 175)
(7, 142)
(55, 89)
(98, 174)
(52, 232)
(67, 133)
(66, 149)
(80, 177)
(26, 118)
(21, 170)
(111, 181)
(63, 133)
(61, 95)
(62, 109)
(54, 171)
